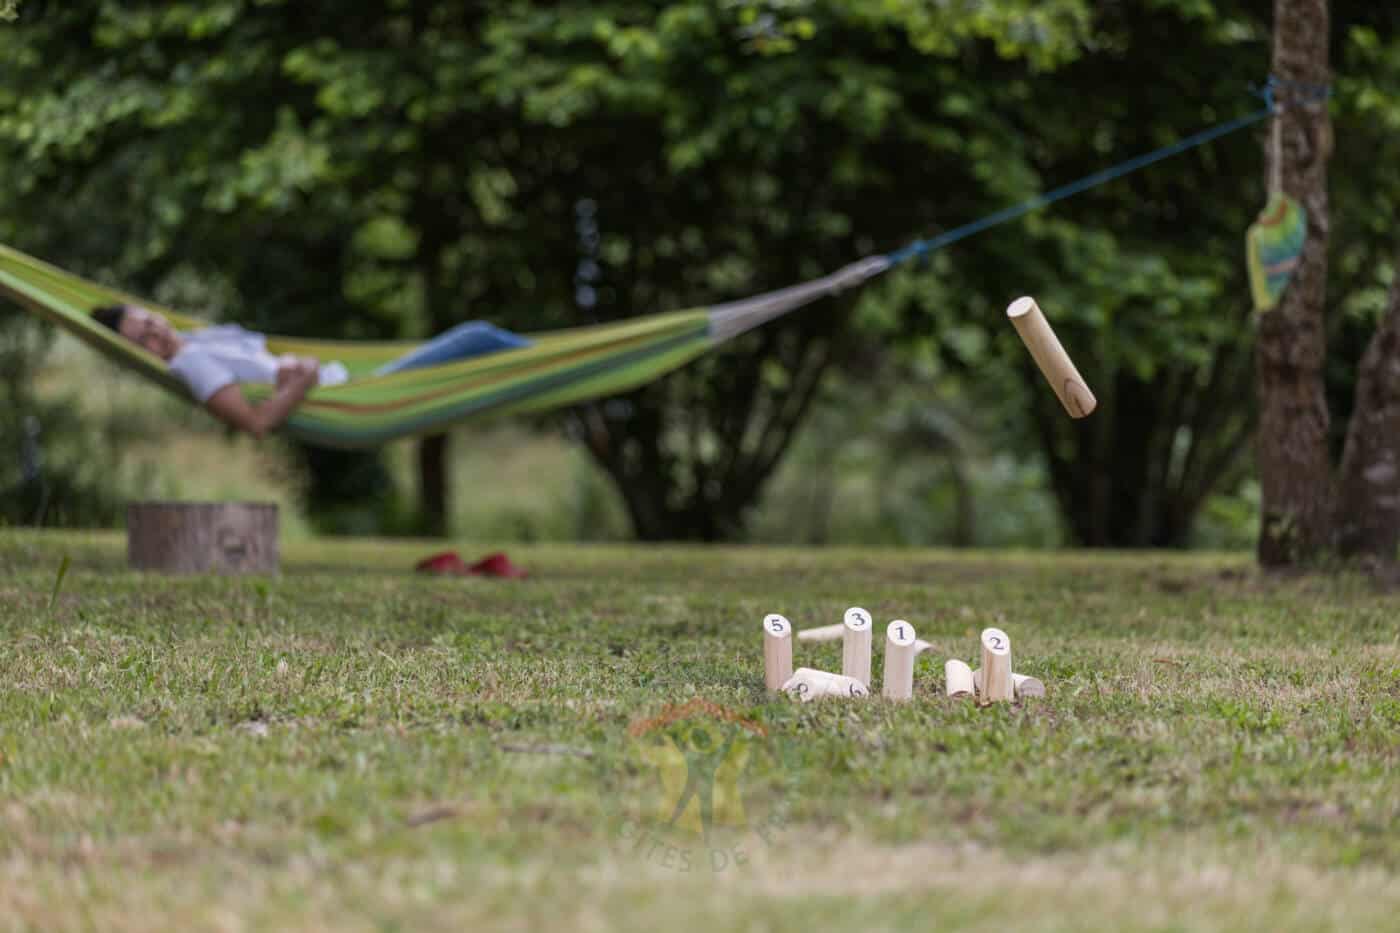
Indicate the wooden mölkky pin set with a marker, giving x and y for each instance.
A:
(993, 682)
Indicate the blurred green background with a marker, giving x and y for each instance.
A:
(392, 168)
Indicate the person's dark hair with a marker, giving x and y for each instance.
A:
(111, 315)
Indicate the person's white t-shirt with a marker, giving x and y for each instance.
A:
(214, 357)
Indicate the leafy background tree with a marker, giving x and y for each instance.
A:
(389, 169)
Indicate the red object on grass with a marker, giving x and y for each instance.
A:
(448, 563)
(444, 563)
(496, 565)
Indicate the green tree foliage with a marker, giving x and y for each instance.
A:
(392, 168)
(1144, 277)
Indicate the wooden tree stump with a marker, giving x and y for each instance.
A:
(202, 537)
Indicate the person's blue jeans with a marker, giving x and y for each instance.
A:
(474, 338)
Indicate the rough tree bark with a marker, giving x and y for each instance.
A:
(700, 485)
(1294, 463)
(1368, 504)
(433, 476)
(432, 484)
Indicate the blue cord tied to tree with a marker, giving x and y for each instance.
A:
(1296, 91)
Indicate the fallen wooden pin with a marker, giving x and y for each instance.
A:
(855, 645)
(996, 684)
(808, 684)
(838, 631)
(1023, 684)
(777, 651)
(958, 677)
(900, 648)
(823, 633)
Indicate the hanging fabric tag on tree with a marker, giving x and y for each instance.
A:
(1274, 245)
(1274, 242)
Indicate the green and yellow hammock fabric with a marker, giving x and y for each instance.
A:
(558, 368)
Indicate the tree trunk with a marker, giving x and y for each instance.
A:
(432, 484)
(202, 537)
(1368, 511)
(702, 484)
(965, 505)
(1294, 462)
(433, 480)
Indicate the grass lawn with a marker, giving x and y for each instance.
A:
(348, 746)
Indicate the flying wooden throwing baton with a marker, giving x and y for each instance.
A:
(823, 633)
(1051, 357)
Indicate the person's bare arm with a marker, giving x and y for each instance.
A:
(230, 405)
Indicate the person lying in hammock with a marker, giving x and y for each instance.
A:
(215, 361)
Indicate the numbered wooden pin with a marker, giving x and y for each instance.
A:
(823, 633)
(1023, 684)
(900, 650)
(958, 677)
(809, 684)
(777, 651)
(996, 667)
(920, 646)
(855, 651)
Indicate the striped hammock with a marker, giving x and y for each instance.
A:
(558, 368)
